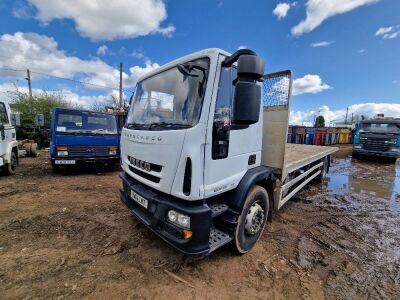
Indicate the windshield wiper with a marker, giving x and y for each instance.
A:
(164, 124)
(135, 125)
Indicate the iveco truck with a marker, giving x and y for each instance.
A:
(378, 137)
(204, 154)
(8, 142)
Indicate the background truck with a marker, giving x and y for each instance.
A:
(378, 137)
(8, 141)
(204, 154)
(82, 136)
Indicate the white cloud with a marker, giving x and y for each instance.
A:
(281, 10)
(320, 10)
(369, 110)
(309, 84)
(102, 50)
(40, 53)
(361, 51)
(105, 19)
(388, 33)
(322, 44)
(86, 101)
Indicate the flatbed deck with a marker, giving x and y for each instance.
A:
(299, 155)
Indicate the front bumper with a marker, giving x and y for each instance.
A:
(155, 216)
(81, 160)
(392, 154)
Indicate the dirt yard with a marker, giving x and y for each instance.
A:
(68, 236)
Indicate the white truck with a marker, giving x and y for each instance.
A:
(8, 141)
(204, 154)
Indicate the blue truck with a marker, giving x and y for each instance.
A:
(378, 138)
(82, 136)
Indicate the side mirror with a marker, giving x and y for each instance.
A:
(15, 119)
(247, 97)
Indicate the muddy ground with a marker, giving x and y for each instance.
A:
(68, 236)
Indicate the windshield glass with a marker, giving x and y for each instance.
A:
(84, 121)
(170, 99)
(380, 127)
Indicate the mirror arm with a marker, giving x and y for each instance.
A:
(230, 60)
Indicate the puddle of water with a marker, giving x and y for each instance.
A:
(389, 190)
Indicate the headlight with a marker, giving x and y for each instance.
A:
(62, 153)
(179, 219)
(113, 151)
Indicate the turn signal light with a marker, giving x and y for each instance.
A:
(62, 148)
(187, 234)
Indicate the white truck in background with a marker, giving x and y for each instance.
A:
(8, 141)
(204, 154)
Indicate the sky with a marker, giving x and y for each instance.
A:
(343, 53)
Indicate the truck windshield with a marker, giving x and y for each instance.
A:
(85, 122)
(171, 99)
(380, 127)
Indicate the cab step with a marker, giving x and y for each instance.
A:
(217, 239)
(217, 209)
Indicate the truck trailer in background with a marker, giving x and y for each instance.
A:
(204, 154)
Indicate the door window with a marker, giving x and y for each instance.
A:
(3, 114)
(223, 113)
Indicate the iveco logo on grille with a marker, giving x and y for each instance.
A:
(90, 150)
(140, 163)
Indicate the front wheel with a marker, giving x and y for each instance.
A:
(252, 219)
(12, 165)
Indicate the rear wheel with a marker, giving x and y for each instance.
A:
(252, 219)
(324, 171)
(11, 167)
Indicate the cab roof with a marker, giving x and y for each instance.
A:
(202, 53)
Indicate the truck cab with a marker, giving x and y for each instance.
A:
(378, 138)
(82, 136)
(203, 151)
(8, 141)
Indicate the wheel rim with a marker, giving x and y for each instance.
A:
(254, 219)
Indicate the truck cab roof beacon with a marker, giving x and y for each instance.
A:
(204, 154)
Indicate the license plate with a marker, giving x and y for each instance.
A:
(65, 162)
(139, 199)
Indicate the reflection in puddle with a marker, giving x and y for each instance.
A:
(389, 189)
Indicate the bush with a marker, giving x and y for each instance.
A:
(28, 108)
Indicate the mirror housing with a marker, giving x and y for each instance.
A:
(246, 103)
(247, 97)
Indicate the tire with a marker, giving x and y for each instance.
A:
(56, 168)
(11, 167)
(244, 238)
(324, 170)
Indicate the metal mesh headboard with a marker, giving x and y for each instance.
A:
(277, 89)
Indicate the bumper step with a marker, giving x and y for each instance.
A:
(218, 238)
(217, 209)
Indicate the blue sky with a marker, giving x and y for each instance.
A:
(344, 53)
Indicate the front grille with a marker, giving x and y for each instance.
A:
(144, 175)
(153, 167)
(88, 151)
(378, 145)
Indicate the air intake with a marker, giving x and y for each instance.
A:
(187, 180)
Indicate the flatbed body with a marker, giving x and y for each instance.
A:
(298, 155)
